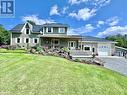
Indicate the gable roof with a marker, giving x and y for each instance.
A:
(95, 39)
(36, 28)
(17, 28)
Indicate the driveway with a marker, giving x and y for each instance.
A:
(117, 64)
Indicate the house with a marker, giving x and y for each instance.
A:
(55, 35)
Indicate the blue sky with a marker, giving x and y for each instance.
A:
(99, 18)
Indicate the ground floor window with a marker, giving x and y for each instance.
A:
(93, 50)
(27, 40)
(35, 40)
(55, 42)
(18, 40)
(87, 48)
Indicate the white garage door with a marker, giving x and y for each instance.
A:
(103, 49)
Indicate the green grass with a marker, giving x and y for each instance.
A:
(12, 51)
(25, 74)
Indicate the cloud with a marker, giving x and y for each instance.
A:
(82, 30)
(64, 11)
(113, 21)
(96, 3)
(36, 19)
(54, 10)
(83, 14)
(100, 23)
(114, 30)
(72, 2)
(100, 3)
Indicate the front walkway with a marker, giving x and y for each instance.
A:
(117, 64)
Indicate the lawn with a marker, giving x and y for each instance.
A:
(27, 74)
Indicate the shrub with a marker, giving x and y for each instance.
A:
(65, 49)
(40, 50)
(9, 47)
(77, 60)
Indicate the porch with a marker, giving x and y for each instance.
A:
(61, 41)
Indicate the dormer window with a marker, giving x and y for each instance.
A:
(27, 29)
(49, 30)
(61, 30)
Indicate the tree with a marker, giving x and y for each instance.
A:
(31, 22)
(122, 41)
(4, 36)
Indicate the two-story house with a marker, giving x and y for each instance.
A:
(54, 35)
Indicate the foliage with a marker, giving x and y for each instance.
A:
(122, 41)
(77, 60)
(31, 22)
(4, 36)
(65, 49)
(9, 47)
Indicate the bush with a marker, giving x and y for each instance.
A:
(65, 49)
(77, 60)
(9, 47)
(40, 50)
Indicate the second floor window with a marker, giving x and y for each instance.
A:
(49, 30)
(27, 31)
(61, 30)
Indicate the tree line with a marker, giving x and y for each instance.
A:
(4, 36)
(120, 39)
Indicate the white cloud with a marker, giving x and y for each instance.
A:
(83, 14)
(100, 23)
(113, 21)
(97, 3)
(64, 11)
(82, 30)
(72, 2)
(100, 3)
(36, 19)
(54, 10)
(113, 31)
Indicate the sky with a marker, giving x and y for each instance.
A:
(99, 18)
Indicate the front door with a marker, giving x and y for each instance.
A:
(72, 45)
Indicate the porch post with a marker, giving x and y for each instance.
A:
(39, 41)
(81, 44)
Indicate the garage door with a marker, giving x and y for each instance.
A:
(103, 49)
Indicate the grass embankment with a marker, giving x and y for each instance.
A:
(26, 74)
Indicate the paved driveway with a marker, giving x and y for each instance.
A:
(116, 63)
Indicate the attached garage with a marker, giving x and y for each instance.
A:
(104, 49)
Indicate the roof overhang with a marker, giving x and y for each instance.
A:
(60, 36)
(98, 42)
